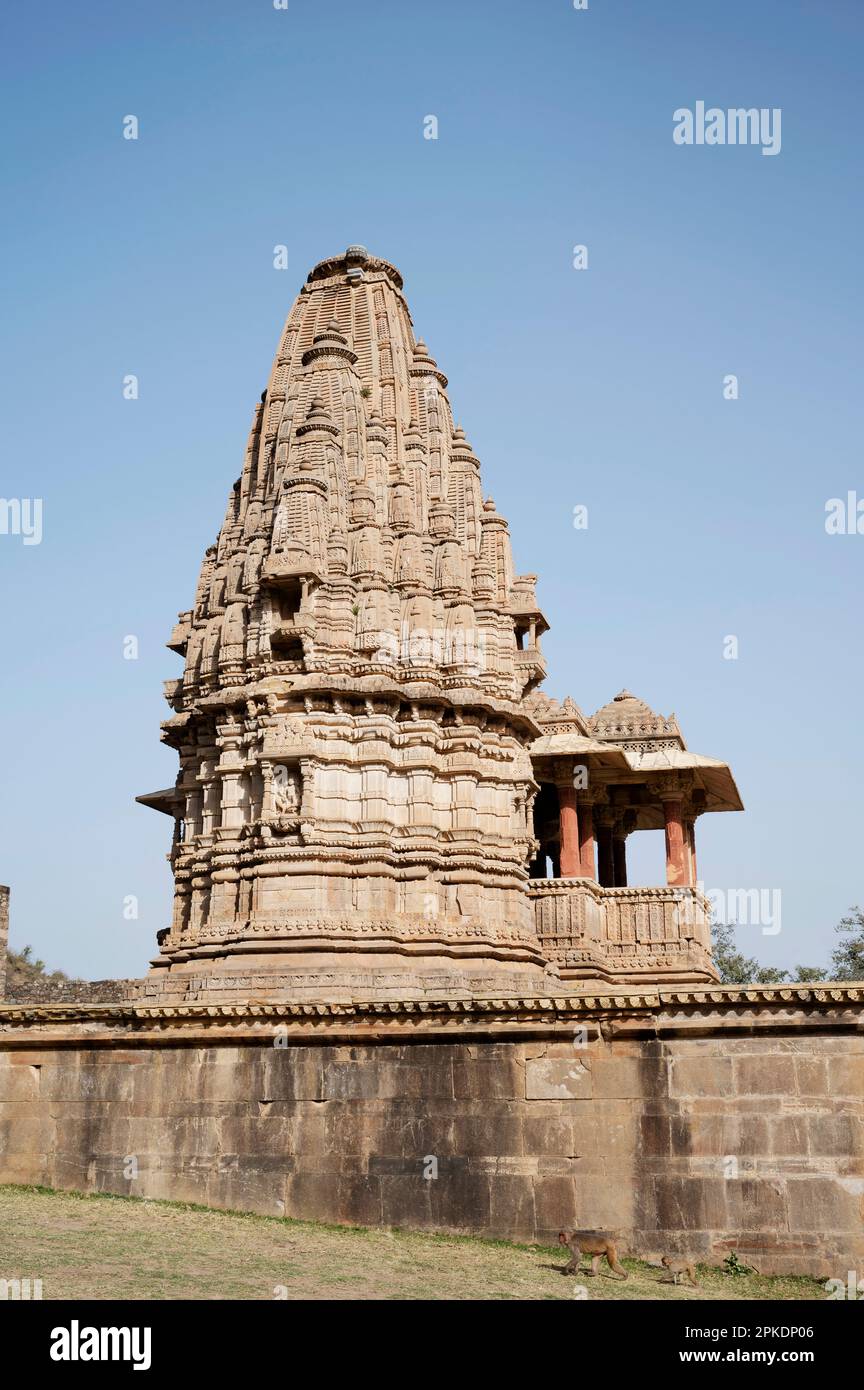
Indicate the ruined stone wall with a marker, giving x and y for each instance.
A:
(680, 1132)
(43, 990)
(4, 934)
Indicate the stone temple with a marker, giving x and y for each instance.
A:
(403, 921)
(374, 795)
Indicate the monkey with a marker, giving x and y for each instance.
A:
(593, 1243)
(677, 1268)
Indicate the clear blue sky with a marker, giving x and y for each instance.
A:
(602, 387)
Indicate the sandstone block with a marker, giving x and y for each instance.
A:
(701, 1076)
(558, 1079)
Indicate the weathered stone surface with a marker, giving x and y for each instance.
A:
(438, 1130)
(4, 936)
(627, 1077)
(558, 1078)
(826, 1204)
(702, 1076)
(846, 1076)
(765, 1076)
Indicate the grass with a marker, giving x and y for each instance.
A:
(101, 1246)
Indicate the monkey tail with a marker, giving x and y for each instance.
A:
(612, 1257)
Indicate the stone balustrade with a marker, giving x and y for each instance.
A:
(530, 663)
(590, 932)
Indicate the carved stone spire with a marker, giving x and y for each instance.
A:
(352, 735)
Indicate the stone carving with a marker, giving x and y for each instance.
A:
(339, 592)
(286, 790)
(367, 769)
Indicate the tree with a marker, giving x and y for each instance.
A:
(738, 969)
(809, 974)
(22, 969)
(847, 959)
(735, 968)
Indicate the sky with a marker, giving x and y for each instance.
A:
(600, 387)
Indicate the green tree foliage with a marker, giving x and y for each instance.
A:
(847, 960)
(737, 969)
(22, 969)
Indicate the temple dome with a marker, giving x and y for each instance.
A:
(626, 717)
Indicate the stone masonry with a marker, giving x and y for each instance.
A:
(697, 1122)
(4, 936)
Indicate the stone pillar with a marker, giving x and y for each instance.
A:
(690, 847)
(619, 857)
(268, 810)
(537, 866)
(571, 858)
(695, 806)
(586, 835)
(624, 827)
(677, 856)
(232, 771)
(605, 818)
(4, 936)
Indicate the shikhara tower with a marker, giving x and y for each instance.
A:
(353, 806)
(374, 799)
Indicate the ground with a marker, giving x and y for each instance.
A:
(95, 1247)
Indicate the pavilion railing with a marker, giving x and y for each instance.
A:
(623, 931)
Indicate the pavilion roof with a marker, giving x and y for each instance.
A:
(557, 745)
(712, 776)
(556, 716)
(165, 800)
(631, 742)
(626, 719)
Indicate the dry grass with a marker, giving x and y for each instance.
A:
(96, 1247)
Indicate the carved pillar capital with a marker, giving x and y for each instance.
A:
(562, 772)
(667, 787)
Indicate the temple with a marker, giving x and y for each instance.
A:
(401, 864)
(375, 798)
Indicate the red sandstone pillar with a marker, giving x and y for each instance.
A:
(677, 865)
(570, 850)
(691, 835)
(586, 838)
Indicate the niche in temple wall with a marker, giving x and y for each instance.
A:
(285, 796)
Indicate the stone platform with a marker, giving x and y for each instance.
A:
(697, 1121)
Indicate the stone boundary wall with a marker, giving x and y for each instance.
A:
(690, 1122)
(45, 991)
(4, 934)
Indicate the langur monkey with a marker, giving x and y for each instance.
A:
(677, 1268)
(593, 1243)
